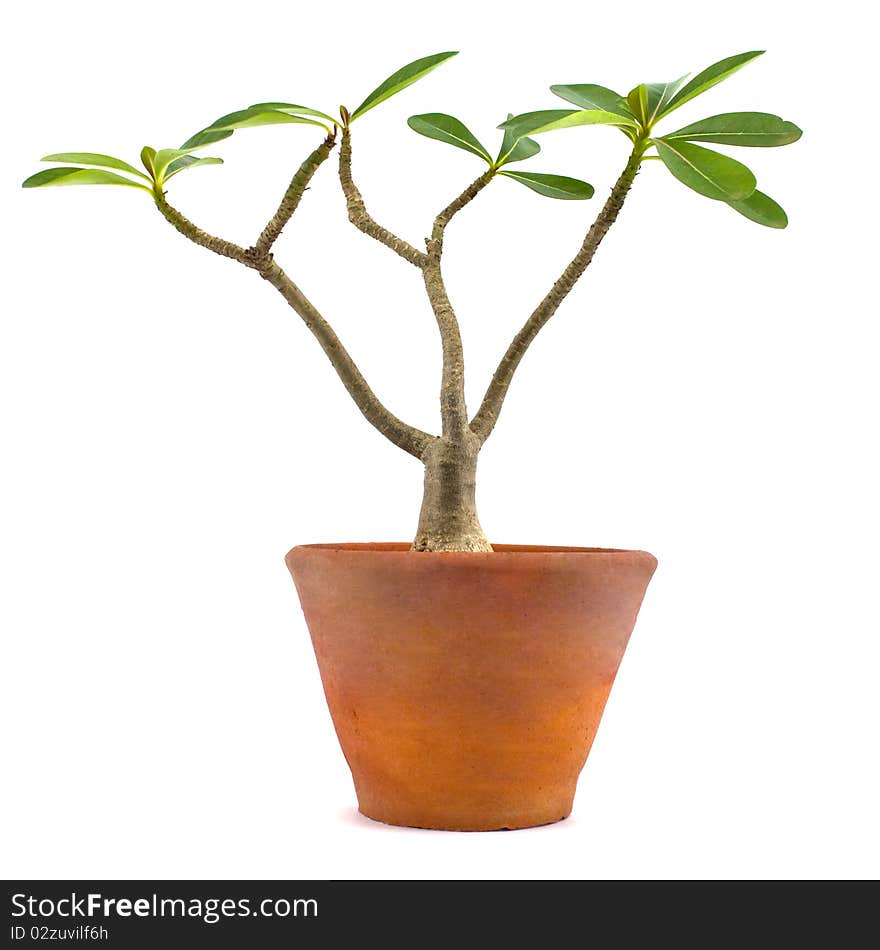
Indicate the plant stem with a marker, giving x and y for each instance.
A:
(453, 409)
(360, 217)
(435, 245)
(448, 519)
(293, 196)
(484, 421)
(404, 436)
(197, 235)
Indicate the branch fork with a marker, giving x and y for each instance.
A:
(448, 520)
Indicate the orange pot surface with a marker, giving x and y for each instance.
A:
(466, 689)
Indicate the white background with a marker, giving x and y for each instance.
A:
(170, 429)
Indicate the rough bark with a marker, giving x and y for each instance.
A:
(453, 409)
(292, 197)
(448, 520)
(360, 217)
(406, 437)
(487, 415)
(435, 244)
(198, 236)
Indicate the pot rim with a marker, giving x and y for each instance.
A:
(499, 550)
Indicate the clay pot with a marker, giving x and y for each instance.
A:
(466, 689)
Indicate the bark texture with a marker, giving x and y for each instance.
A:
(258, 258)
(487, 415)
(453, 408)
(404, 436)
(293, 196)
(197, 235)
(360, 217)
(448, 520)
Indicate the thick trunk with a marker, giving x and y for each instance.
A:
(448, 519)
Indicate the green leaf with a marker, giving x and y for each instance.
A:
(592, 97)
(292, 108)
(260, 113)
(163, 158)
(189, 161)
(446, 128)
(533, 123)
(637, 102)
(710, 77)
(648, 100)
(762, 209)
(553, 186)
(398, 81)
(206, 137)
(78, 176)
(514, 148)
(708, 173)
(249, 118)
(755, 129)
(148, 155)
(658, 96)
(94, 158)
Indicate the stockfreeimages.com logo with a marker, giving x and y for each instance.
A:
(210, 909)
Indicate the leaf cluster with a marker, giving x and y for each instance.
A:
(708, 172)
(683, 152)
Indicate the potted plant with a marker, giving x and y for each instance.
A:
(465, 682)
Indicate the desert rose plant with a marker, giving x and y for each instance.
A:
(448, 520)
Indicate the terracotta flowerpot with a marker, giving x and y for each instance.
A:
(466, 689)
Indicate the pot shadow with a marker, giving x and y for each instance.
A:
(351, 816)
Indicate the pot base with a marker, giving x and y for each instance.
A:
(448, 827)
(466, 688)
